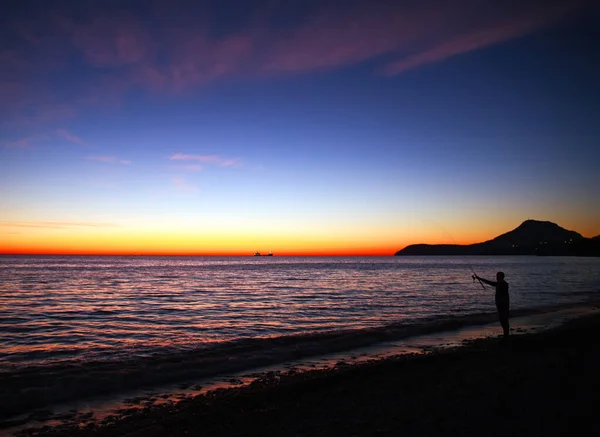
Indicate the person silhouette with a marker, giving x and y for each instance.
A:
(502, 300)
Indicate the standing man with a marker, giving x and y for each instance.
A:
(502, 300)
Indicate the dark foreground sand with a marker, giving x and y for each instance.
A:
(540, 384)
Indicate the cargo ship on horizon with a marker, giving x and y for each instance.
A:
(257, 253)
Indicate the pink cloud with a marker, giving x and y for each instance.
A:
(28, 141)
(201, 158)
(427, 32)
(63, 133)
(208, 159)
(197, 59)
(332, 40)
(231, 162)
(112, 41)
(109, 160)
(416, 33)
(475, 37)
(23, 142)
(181, 185)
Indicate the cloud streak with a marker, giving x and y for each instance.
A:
(208, 160)
(476, 37)
(65, 134)
(109, 160)
(29, 141)
(22, 143)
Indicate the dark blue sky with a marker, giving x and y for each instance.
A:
(337, 126)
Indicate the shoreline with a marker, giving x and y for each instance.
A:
(39, 389)
(421, 347)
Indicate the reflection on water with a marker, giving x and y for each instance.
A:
(64, 309)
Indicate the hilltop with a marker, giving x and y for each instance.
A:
(532, 237)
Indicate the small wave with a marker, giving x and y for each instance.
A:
(101, 312)
(19, 329)
(37, 386)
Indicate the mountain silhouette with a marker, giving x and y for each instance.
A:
(532, 232)
(532, 237)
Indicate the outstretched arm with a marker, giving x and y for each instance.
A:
(492, 283)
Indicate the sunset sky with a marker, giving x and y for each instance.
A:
(301, 127)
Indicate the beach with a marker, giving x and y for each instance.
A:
(544, 383)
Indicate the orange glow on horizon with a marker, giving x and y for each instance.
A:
(176, 250)
(159, 240)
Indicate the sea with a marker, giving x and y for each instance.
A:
(73, 326)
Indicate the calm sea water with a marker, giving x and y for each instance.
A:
(72, 309)
(75, 328)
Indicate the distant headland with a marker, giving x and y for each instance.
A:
(532, 237)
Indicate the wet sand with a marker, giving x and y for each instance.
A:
(545, 383)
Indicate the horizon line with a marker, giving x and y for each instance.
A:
(193, 254)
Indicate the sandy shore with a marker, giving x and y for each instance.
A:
(539, 384)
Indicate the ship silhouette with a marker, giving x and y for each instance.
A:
(257, 253)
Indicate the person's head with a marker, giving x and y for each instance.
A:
(500, 276)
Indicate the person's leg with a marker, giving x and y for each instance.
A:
(503, 314)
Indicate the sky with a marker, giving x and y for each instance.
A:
(298, 127)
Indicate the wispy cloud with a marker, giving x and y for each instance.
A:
(22, 142)
(182, 185)
(477, 36)
(208, 159)
(112, 41)
(57, 225)
(30, 140)
(120, 52)
(63, 133)
(109, 160)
